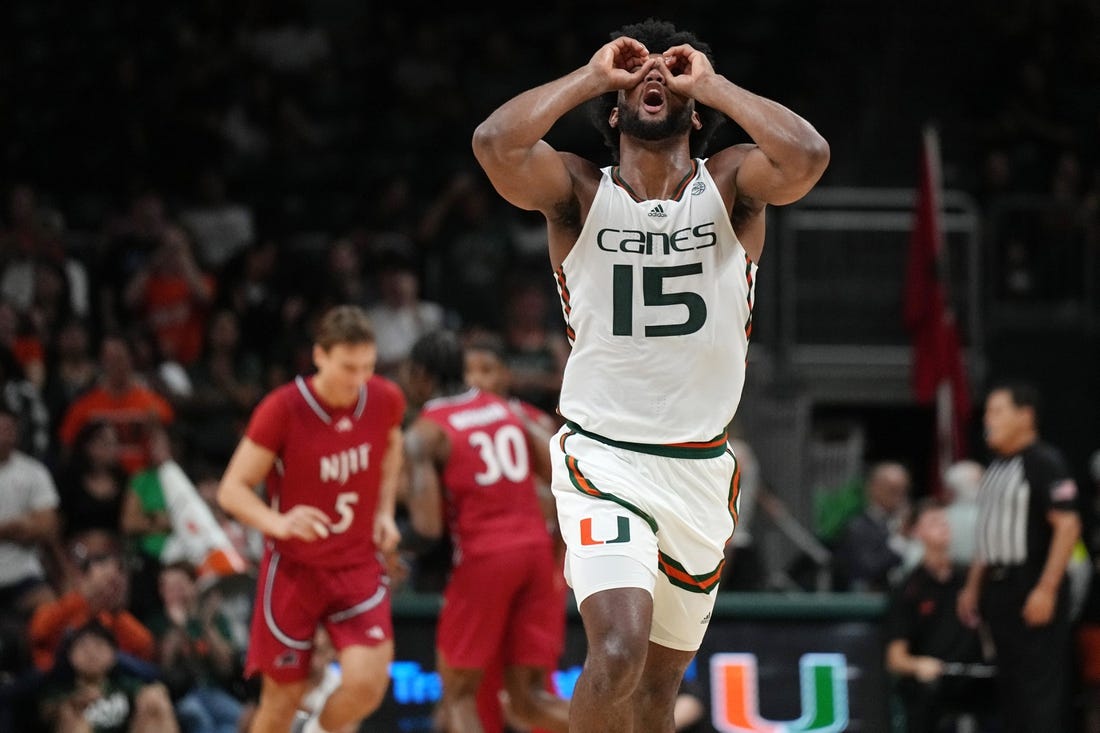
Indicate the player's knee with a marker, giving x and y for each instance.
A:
(280, 701)
(615, 663)
(367, 690)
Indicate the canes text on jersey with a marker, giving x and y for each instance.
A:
(635, 241)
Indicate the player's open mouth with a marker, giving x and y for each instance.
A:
(653, 98)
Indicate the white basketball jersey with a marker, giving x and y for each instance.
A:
(657, 297)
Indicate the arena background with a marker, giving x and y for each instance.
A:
(338, 119)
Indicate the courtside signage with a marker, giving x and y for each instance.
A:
(735, 699)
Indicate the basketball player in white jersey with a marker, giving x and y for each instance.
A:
(655, 261)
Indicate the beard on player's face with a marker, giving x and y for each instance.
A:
(676, 122)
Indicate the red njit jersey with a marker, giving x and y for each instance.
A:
(490, 492)
(330, 458)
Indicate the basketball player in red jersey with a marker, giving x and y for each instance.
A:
(470, 459)
(328, 449)
(487, 369)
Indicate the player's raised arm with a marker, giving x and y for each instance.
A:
(509, 144)
(790, 155)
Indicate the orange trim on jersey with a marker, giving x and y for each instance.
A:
(563, 289)
(563, 295)
(699, 445)
(579, 479)
(706, 449)
(678, 576)
(735, 491)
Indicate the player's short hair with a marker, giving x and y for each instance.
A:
(490, 343)
(657, 36)
(344, 324)
(439, 354)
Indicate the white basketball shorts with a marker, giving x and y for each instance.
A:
(647, 516)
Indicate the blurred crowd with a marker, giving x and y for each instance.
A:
(187, 186)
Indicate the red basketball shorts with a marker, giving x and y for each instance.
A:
(293, 599)
(508, 606)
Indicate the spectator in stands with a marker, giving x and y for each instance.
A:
(872, 544)
(400, 316)
(165, 376)
(342, 277)
(93, 481)
(91, 691)
(70, 367)
(221, 226)
(284, 38)
(389, 215)
(961, 482)
(18, 336)
(22, 232)
(171, 295)
(255, 287)
(195, 653)
(147, 524)
(924, 634)
(101, 594)
(42, 280)
(246, 540)
(535, 347)
(22, 398)
(167, 521)
(129, 242)
(469, 241)
(28, 522)
(120, 399)
(226, 383)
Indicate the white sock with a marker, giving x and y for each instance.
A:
(313, 725)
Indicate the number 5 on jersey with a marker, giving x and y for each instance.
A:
(344, 502)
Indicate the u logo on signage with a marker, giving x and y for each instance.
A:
(735, 700)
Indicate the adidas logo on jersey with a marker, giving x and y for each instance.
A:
(376, 632)
(344, 425)
(657, 211)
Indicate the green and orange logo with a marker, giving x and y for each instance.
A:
(735, 699)
(623, 534)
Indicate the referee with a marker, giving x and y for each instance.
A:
(1027, 527)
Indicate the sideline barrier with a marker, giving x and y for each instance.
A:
(770, 663)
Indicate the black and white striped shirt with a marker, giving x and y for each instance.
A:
(1016, 494)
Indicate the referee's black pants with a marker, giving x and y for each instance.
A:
(1033, 663)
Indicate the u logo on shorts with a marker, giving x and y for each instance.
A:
(623, 535)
